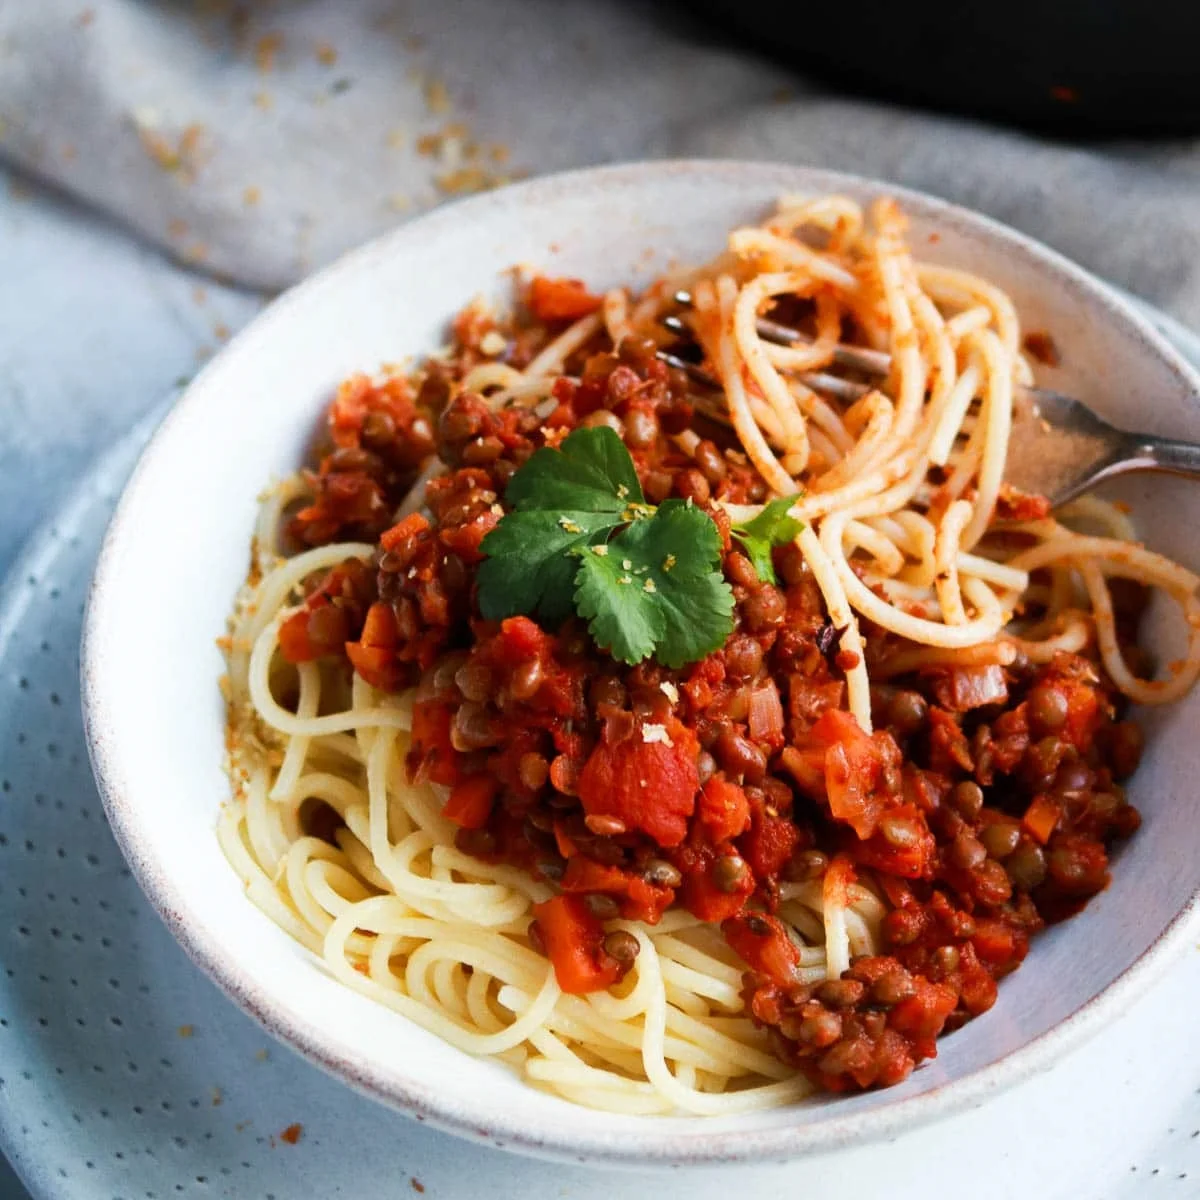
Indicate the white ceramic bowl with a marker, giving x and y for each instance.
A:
(177, 551)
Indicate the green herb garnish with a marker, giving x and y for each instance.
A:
(581, 538)
(772, 527)
(657, 589)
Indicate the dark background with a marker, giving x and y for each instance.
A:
(1069, 67)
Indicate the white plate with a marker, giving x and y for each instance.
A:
(181, 533)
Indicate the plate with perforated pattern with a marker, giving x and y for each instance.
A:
(125, 1074)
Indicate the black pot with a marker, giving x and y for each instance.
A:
(1080, 67)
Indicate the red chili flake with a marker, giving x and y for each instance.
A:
(416, 1184)
(291, 1134)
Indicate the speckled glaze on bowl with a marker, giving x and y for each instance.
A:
(177, 550)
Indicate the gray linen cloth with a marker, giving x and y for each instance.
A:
(260, 140)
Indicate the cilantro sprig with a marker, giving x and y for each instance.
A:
(580, 538)
(771, 527)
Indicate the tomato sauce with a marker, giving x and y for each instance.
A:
(982, 806)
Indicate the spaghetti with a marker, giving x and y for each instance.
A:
(903, 761)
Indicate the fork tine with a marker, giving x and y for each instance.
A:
(834, 385)
(819, 381)
(858, 358)
(694, 372)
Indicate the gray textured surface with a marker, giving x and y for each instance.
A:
(94, 330)
(328, 130)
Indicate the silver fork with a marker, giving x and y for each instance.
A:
(1058, 448)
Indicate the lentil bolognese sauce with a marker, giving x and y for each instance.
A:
(689, 749)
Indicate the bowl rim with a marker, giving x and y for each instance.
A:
(475, 1120)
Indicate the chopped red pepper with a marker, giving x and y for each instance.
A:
(762, 942)
(573, 938)
(562, 840)
(374, 654)
(641, 901)
(412, 526)
(723, 810)
(561, 299)
(1041, 817)
(470, 802)
(921, 1016)
(432, 755)
(996, 942)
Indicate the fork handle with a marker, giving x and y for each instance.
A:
(1166, 454)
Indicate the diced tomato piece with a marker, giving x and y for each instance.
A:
(573, 939)
(320, 628)
(374, 654)
(763, 944)
(294, 643)
(650, 786)
(519, 639)
(432, 755)
(412, 526)
(998, 943)
(852, 766)
(561, 299)
(912, 861)
(703, 899)
(921, 1016)
(1041, 817)
(806, 765)
(898, 892)
(358, 397)
(562, 839)
(948, 749)
(374, 663)
(723, 810)
(642, 901)
(976, 985)
(380, 627)
(769, 844)
(1083, 712)
(698, 692)
(470, 802)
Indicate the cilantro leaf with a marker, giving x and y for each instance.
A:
(656, 588)
(530, 565)
(581, 538)
(565, 500)
(590, 472)
(771, 527)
